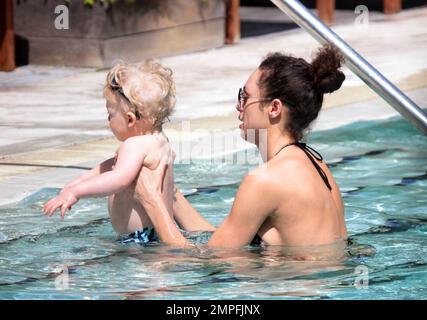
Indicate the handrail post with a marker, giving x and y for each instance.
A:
(355, 62)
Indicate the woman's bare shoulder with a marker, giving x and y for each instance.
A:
(273, 174)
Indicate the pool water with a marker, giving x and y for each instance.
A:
(381, 168)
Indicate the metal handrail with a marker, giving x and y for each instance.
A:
(355, 62)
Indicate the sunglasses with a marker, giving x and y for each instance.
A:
(115, 87)
(242, 98)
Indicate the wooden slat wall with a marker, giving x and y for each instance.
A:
(7, 38)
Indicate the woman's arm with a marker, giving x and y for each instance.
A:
(187, 217)
(252, 205)
(148, 191)
(162, 221)
(238, 229)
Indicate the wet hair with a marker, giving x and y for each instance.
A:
(301, 85)
(146, 88)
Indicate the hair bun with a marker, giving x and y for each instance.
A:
(325, 65)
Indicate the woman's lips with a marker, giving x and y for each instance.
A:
(241, 126)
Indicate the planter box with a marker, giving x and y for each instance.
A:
(98, 37)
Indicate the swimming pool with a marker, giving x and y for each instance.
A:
(381, 168)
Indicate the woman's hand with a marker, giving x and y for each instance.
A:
(148, 191)
(64, 201)
(149, 185)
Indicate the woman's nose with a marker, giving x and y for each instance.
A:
(240, 116)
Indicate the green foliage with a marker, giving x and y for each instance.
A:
(90, 3)
(105, 2)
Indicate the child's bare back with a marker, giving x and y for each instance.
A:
(127, 215)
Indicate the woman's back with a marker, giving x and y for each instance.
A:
(307, 213)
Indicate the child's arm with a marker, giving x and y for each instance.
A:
(105, 166)
(130, 159)
(66, 199)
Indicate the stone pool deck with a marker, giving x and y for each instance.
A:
(53, 120)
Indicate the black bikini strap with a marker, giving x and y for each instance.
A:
(310, 152)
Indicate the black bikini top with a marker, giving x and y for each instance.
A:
(310, 152)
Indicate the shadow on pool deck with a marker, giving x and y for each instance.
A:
(254, 28)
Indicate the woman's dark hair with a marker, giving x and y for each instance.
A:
(300, 85)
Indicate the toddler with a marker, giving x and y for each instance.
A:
(138, 99)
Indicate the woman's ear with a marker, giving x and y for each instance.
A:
(275, 109)
(131, 119)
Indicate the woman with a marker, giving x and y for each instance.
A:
(292, 199)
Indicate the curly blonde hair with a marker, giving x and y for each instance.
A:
(147, 88)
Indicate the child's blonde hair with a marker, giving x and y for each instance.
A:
(147, 89)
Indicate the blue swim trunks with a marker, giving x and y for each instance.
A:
(143, 237)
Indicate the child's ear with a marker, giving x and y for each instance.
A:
(131, 119)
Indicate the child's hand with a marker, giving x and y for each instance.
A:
(63, 201)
